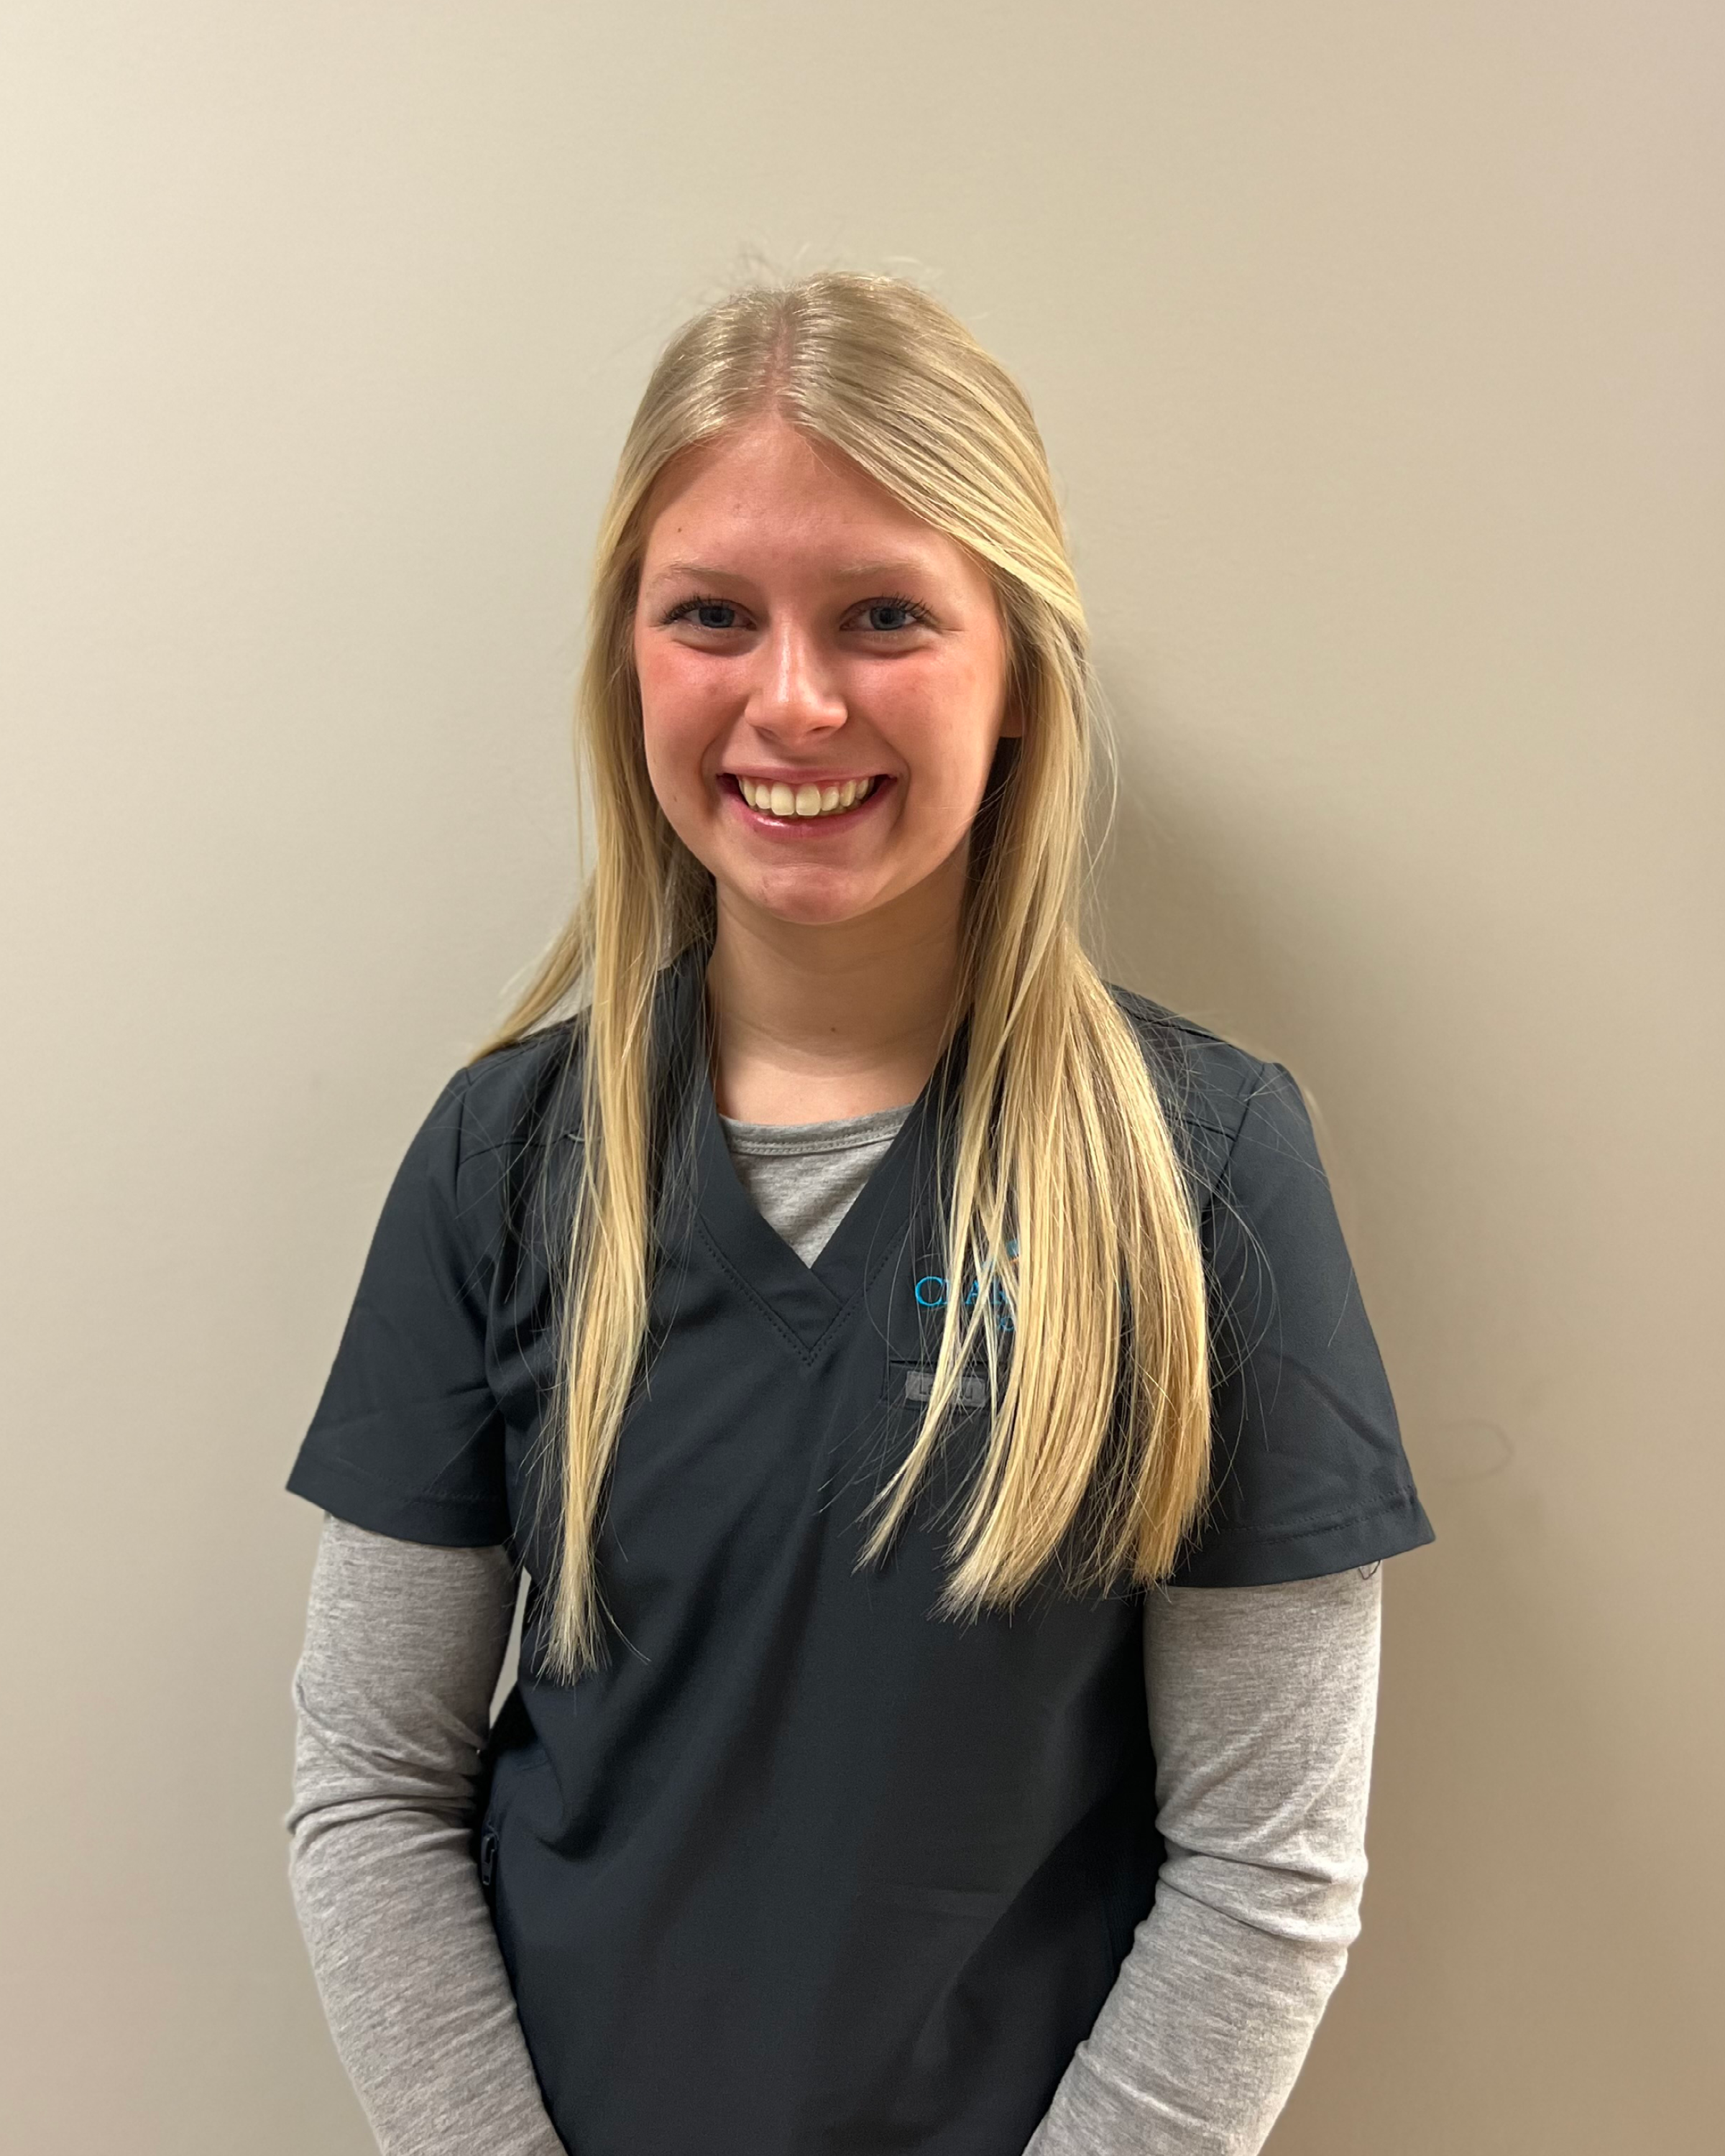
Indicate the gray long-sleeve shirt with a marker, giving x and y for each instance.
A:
(1261, 1704)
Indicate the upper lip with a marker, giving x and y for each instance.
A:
(783, 775)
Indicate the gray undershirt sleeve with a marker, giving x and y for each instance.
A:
(404, 1642)
(1260, 1700)
(1262, 1705)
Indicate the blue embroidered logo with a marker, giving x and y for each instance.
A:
(932, 1289)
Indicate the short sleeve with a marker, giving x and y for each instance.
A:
(1308, 1474)
(407, 1440)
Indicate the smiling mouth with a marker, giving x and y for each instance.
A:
(815, 803)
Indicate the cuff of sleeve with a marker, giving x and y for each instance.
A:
(453, 1522)
(1308, 1552)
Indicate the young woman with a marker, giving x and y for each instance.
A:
(924, 1386)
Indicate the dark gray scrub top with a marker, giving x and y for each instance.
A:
(803, 1867)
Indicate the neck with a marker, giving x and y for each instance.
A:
(810, 1024)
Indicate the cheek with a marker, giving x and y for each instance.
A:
(946, 741)
(677, 724)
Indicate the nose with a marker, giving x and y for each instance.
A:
(795, 696)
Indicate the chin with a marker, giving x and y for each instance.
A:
(807, 908)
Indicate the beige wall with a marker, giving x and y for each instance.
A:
(1379, 352)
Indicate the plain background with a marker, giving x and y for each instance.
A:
(1379, 351)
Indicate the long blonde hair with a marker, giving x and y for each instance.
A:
(1067, 1198)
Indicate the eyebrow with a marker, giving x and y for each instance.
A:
(901, 566)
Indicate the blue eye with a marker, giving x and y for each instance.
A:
(919, 615)
(692, 606)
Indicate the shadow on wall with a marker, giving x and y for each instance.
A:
(1501, 1791)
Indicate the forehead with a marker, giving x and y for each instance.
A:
(770, 497)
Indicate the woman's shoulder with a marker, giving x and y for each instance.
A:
(1215, 1077)
(513, 1105)
(1207, 1083)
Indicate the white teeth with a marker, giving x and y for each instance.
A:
(775, 798)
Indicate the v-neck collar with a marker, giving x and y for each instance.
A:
(801, 1301)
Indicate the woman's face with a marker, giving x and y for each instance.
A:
(801, 638)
